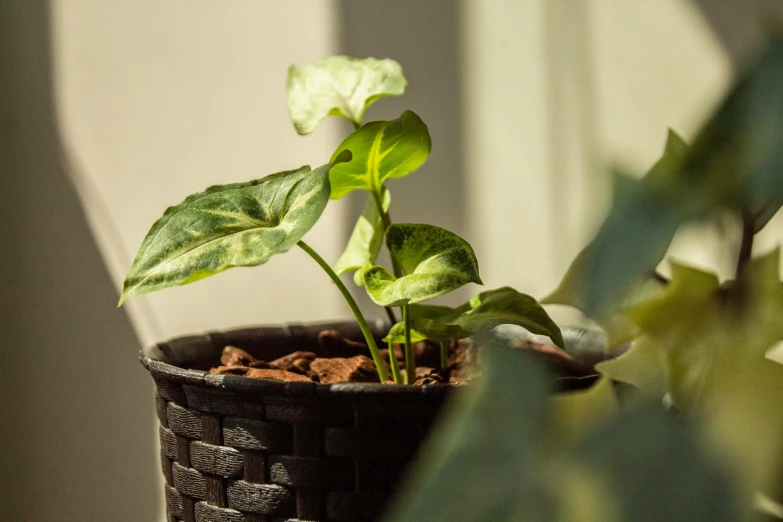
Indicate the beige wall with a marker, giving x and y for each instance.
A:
(555, 91)
(158, 100)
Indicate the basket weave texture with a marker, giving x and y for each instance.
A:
(235, 449)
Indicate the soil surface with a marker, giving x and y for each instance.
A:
(353, 365)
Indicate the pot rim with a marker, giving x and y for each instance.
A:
(153, 357)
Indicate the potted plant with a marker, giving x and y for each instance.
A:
(687, 424)
(282, 446)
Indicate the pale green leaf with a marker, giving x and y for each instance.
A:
(708, 342)
(242, 224)
(434, 261)
(644, 366)
(380, 150)
(339, 86)
(507, 306)
(397, 334)
(365, 241)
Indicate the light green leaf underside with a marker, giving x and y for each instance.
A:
(339, 86)
(241, 224)
(483, 312)
(380, 150)
(434, 261)
(365, 241)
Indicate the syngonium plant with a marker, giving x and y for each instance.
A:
(245, 224)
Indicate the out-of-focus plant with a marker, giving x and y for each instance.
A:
(699, 432)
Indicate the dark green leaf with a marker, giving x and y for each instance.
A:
(380, 150)
(339, 86)
(482, 464)
(434, 261)
(365, 241)
(737, 159)
(507, 306)
(242, 224)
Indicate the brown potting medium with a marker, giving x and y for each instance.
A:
(241, 449)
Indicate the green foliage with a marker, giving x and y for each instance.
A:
(339, 86)
(496, 456)
(434, 262)
(632, 241)
(241, 224)
(365, 241)
(482, 313)
(737, 158)
(381, 150)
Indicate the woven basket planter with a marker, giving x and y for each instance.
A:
(240, 449)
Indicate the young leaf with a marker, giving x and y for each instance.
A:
(507, 306)
(339, 86)
(365, 241)
(432, 322)
(380, 150)
(397, 334)
(242, 224)
(434, 262)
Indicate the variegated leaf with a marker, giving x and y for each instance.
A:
(483, 312)
(380, 150)
(434, 261)
(339, 86)
(365, 241)
(242, 224)
(507, 306)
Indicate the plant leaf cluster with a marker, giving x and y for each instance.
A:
(244, 224)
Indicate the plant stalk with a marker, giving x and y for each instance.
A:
(410, 362)
(368, 336)
(444, 353)
(746, 243)
(395, 367)
(386, 221)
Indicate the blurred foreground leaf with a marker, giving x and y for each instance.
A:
(490, 459)
(704, 345)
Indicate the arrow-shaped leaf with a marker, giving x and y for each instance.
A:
(434, 261)
(365, 241)
(507, 306)
(242, 224)
(339, 86)
(483, 312)
(380, 150)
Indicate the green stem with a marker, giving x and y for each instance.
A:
(368, 336)
(444, 353)
(386, 221)
(395, 367)
(410, 362)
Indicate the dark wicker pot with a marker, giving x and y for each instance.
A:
(239, 449)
